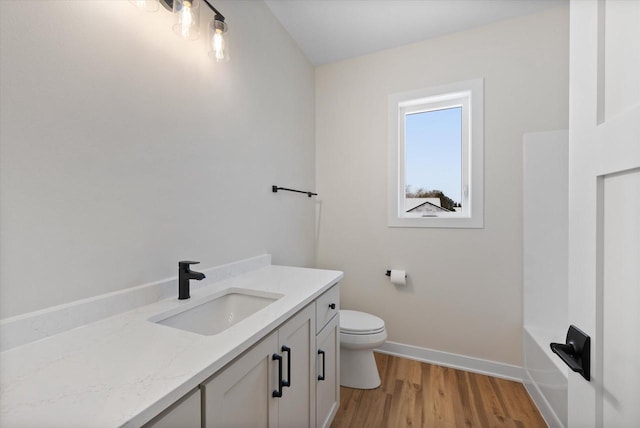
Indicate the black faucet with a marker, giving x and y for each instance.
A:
(184, 275)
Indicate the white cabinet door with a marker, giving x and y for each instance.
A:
(241, 395)
(296, 344)
(328, 372)
(185, 413)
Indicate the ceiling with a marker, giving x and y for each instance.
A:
(332, 30)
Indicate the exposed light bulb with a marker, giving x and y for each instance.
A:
(146, 5)
(186, 19)
(218, 45)
(218, 35)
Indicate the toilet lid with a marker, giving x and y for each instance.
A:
(355, 322)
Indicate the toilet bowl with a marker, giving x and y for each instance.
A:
(360, 333)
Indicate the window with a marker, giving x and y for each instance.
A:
(436, 157)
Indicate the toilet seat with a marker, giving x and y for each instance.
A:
(360, 323)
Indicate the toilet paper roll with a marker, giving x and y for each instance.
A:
(398, 277)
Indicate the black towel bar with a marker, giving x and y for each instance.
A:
(274, 189)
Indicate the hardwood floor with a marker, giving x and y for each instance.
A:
(415, 394)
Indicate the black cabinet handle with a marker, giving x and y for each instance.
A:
(287, 382)
(576, 352)
(278, 392)
(332, 305)
(321, 352)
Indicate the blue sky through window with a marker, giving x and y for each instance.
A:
(433, 149)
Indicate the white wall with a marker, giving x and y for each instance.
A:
(545, 235)
(465, 286)
(125, 149)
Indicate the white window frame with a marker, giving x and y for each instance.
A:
(469, 95)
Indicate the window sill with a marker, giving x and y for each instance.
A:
(438, 222)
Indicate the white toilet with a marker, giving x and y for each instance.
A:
(360, 333)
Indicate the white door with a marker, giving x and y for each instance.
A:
(604, 209)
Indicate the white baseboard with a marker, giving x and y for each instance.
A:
(460, 362)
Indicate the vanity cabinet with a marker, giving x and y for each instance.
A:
(240, 395)
(327, 307)
(249, 392)
(288, 379)
(328, 357)
(296, 344)
(184, 413)
(328, 369)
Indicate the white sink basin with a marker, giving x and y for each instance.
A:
(218, 312)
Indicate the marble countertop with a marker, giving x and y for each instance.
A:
(124, 369)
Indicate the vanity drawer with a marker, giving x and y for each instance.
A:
(327, 305)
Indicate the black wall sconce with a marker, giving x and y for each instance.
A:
(187, 23)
